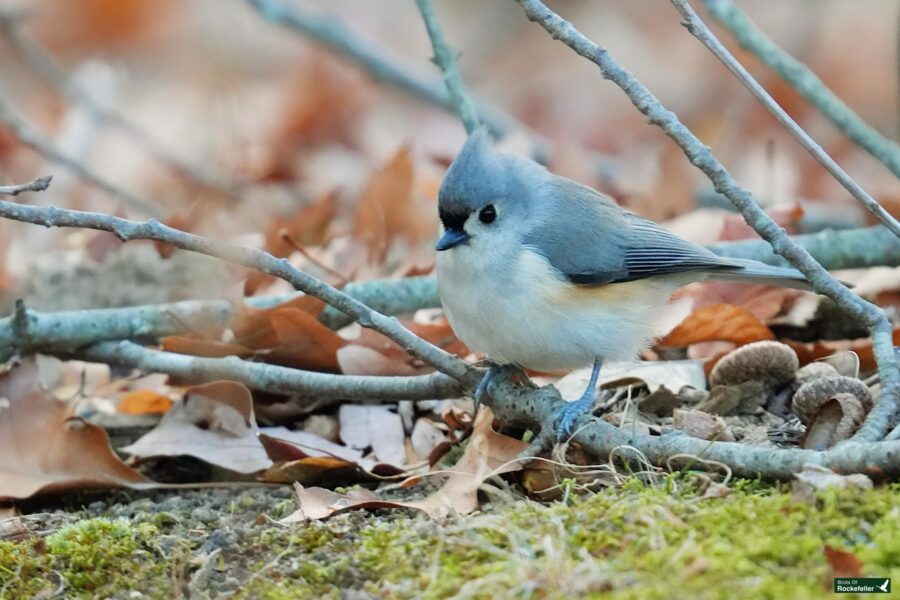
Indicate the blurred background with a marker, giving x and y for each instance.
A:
(213, 118)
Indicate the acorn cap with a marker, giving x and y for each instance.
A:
(836, 420)
(771, 362)
(816, 370)
(808, 400)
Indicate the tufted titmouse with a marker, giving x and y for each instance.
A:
(538, 271)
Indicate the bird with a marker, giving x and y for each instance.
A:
(539, 272)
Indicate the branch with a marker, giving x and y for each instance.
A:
(30, 137)
(532, 408)
(699, 30)
(871, 316)
(332, 34)
(44, 65)
(63, 332)
(35, 185)
(445, 59)
(807, 84)
(389, 297)
(271, 378)
(248, 257)
(833, 249)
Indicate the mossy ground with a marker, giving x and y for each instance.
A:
(632, 542)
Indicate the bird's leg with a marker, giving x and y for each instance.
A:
(492, 373)
(569, 412)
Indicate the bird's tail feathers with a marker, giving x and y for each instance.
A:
(761, 273)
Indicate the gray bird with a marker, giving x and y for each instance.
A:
(538, 271)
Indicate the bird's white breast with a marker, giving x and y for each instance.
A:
(516, 308)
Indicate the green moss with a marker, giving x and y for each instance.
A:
(632, 542)
(93, 557)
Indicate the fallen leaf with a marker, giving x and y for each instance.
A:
(43, 450)
(387, 209)
(216, 424)
(309, 226)
(253, 327)
(144, 402)
(360, 360)
(815, 477)
(303, 342)
(842, 562)
(718, 322)
(364, 426)
(671, 374)
(862, 348)
(425, 437)
(488, 453)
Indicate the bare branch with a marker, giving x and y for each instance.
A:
(30, 137)
(271, 378)
(332, 34)
(445, 59)
(869, 315)
(44, 65)
(532, 408)
(35, 185)
(833, 249)
(61, 332)
(807, 83)
(699, 30)
(249, 257)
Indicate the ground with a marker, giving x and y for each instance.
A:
(637, 541)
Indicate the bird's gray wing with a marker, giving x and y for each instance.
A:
(591, 240)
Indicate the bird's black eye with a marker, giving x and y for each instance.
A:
(487, 214)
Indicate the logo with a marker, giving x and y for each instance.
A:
(862, 585)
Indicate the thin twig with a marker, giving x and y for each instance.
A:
(869, 315)
(44, 65)
(252, 258)
(833, 249)
(532, 408)
(31, 138)
(331, 33)
(318, 387)
(445, 59)
(699, 30)
(807, 83)
(35, 185)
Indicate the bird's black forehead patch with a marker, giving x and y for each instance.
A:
(453, 219)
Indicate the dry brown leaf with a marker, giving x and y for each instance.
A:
(309, 227)
(42, 449)
(144, 402)
(387, 209)
(812, 351)
(488, 453)
(253, 327)
(303, 342)
(377, 427)
(842, 562)
(360, 360)
(718, 322)
(216, 424)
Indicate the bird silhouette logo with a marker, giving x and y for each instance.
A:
(884, 586)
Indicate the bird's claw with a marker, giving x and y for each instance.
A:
(565, 416)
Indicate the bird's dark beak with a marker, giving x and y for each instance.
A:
(451, 238)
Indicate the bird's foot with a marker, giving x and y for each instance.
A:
(493, 373)
(565, 416)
